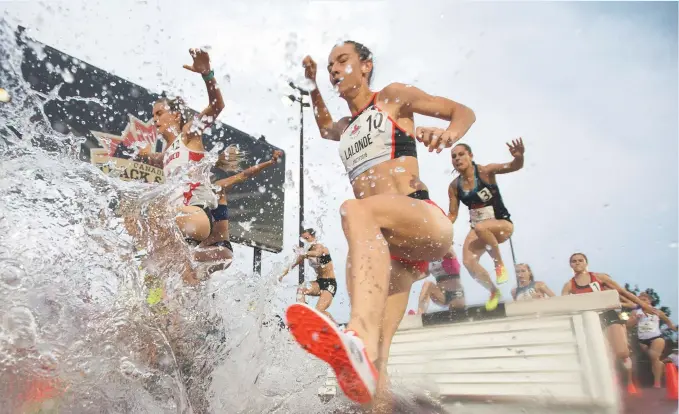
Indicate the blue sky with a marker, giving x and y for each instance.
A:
(591, 87)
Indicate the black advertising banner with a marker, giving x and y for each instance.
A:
(115, 117)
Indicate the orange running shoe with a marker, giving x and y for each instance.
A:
(632, 389)
(501, 275)
(343, 350)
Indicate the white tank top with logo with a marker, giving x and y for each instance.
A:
(648, 326)
(178, 156)
(372, 138)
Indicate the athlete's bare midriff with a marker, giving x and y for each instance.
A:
(326, 272)
(397, 176)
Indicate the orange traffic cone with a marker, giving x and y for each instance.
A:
(671, 379)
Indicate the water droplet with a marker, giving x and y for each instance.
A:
(67, 75)
(348, 69)
(11, 273)
(306, 84)
(372, 185)
(399, 169)
(262, 189)
(21, 326)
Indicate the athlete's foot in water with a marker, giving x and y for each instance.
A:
(501, 275)
(494, 300)
(343, 350)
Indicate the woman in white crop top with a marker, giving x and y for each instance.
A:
(392, 227)
(650, 336)
(184, 138)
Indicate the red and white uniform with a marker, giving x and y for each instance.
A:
(178, 156)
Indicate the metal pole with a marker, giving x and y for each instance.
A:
(511, 246)
(257, 261)
(301, 182)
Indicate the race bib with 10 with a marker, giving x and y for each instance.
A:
(366, 140)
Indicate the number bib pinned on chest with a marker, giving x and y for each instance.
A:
(478, 215)
(367, 141)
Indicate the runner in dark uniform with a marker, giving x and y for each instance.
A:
(585, 281)
(477, 189)
(325, 285)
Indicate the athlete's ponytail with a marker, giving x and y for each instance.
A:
(364, 54)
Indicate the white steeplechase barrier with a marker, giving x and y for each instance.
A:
(525, 357)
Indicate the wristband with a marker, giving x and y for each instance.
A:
(209, 76)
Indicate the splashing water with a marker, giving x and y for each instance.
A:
(74, 318)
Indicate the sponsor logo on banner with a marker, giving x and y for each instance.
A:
(115, 151)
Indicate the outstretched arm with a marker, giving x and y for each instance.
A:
(517, 149)
(296, 263)
(667, 320)
(201, 64)
(454, 204)
(228, 182)
(416, 101)
(606, 279)
(423, 301)
(329, 129)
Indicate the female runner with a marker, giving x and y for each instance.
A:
(325, 285)
(448, 289)
(528, 287)
(184, 139)
(392, 227)
(650, 336)
(477, 188)
(585, 281)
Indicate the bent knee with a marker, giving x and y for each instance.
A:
(352, 208)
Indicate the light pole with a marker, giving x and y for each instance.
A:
(300, 99)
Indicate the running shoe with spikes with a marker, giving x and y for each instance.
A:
(342, 349)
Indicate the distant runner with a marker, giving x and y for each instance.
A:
(529, 288)
(585, 281)
(392, 227)
(448, 290)
(325, 285)
(477, 188)
(650, 336)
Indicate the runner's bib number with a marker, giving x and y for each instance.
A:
(481, 214)
(646, 327)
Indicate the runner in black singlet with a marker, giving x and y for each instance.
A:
(392, 227)
(325, 285)
(477, 189)
(528, 287)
